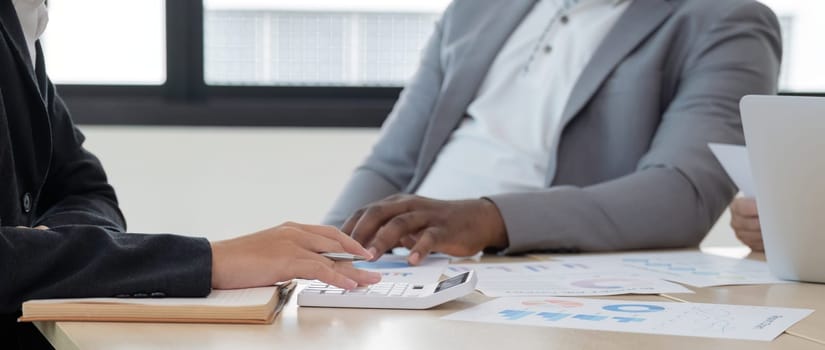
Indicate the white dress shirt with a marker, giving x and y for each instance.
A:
(509, 140)
(33, 17)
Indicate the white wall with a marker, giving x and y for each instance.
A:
(221, 182)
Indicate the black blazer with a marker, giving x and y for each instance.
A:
(48, 178)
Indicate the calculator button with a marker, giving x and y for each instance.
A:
(418, 287)
(312, 291)
(333, 292)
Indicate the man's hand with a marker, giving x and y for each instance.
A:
(286, 252)
(745, 222)
(460, 228)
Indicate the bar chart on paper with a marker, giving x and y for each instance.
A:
(685, 319)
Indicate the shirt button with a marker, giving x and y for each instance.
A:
(27, 202)
(565, 19)
(548, 49)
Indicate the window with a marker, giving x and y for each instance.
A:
(804, 54)
(283, 62)
(121, 42)
(315, 42)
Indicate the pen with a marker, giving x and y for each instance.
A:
(343, 257)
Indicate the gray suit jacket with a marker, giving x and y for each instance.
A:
(634, 170)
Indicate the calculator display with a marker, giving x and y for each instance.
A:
(452, 282)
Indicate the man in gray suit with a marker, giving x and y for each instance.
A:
(564, 125)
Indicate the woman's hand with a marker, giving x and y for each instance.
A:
(285, 252)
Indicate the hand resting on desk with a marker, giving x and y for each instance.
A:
(423, 225)
(285, 252)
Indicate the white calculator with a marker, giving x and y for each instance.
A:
(389, 295)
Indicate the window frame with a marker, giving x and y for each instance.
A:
(186, 100)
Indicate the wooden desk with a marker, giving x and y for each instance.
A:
(318, 328)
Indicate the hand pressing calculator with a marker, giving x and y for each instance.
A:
(389, 295)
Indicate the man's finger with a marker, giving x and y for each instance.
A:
(376, 216)
(349, 225)
(744, 207)
(755, 244)
(752, 239)
(408, 242)
(389, 235)
(424, 245)
(745, 224)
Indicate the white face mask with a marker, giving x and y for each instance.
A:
(33, 17)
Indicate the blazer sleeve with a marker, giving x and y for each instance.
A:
(74, 261)
(678, 190)
(391, 165)
(85, 253)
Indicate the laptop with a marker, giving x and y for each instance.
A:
(785, 137)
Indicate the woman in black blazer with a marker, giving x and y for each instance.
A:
(61, 232)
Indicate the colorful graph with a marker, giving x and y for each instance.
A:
(633, 308)
(662, 318)
(576, 266)
(591, 317)
(553, 316)
(676, 267)
(608, 283)
(555, 302)
(513, 315)
(536, 268)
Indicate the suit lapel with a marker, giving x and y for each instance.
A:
(641, 18)
(500, 19)
(9, 23)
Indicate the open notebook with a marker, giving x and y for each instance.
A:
(251, 306)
